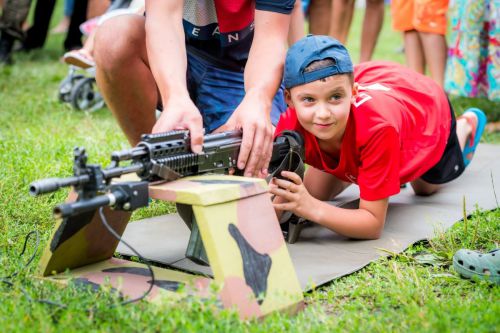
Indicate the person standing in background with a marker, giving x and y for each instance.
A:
(372, 25)
(13, 15)
(473, 67)
(334, 18)
(319, 16)
(423, 23)
(63, 25)
(37, 33)
(297, 23)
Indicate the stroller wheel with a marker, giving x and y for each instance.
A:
(66, 86)
(85, 97)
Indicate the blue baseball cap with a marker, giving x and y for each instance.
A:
(313, 48)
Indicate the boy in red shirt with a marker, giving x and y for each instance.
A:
(379, 126)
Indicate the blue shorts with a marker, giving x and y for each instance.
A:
(217, 92)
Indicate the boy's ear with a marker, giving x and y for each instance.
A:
(355, 88)
(288, 98)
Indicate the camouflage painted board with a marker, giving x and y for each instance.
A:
(131, 280)
(244, 243)
(208, 190)
(81, 240)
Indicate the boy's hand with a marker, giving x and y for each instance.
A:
(292, 195)
(182, 114)
(253, 117)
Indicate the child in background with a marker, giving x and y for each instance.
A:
(84, 57)
(379, 125)
(423, 23)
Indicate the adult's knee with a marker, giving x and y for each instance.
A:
(118, 41)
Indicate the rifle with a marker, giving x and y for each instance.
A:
(164, 156)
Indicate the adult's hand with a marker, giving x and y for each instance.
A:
(253, 117)
(181, 113)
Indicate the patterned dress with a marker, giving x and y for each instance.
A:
(473, 67)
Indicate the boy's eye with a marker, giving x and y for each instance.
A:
(336, 97)
(307, 99)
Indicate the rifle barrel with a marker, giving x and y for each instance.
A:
(53, 184)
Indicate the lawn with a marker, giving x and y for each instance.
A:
(37, 135)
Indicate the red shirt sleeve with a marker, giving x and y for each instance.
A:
(288, 121)
(378, 176)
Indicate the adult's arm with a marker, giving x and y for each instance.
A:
(165, 44)
(263, 75)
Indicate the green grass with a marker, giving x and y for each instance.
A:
(37, 135)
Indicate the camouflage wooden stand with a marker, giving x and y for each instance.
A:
(240, 233)
(243, 241)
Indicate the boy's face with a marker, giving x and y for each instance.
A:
(323, 106)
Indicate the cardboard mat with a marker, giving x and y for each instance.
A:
(320, 255)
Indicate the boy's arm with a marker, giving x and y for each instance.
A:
(168, 62)
(263, 75)
(367, 222)
(321, 185)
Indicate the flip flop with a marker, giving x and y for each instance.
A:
(477, 132)
(485, 266)
(79, 58)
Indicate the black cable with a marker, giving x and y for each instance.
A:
(6, 279)
(146, 262)
(34, 232)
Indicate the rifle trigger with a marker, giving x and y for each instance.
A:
(164, 172)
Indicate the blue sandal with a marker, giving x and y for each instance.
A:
(477, 132)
